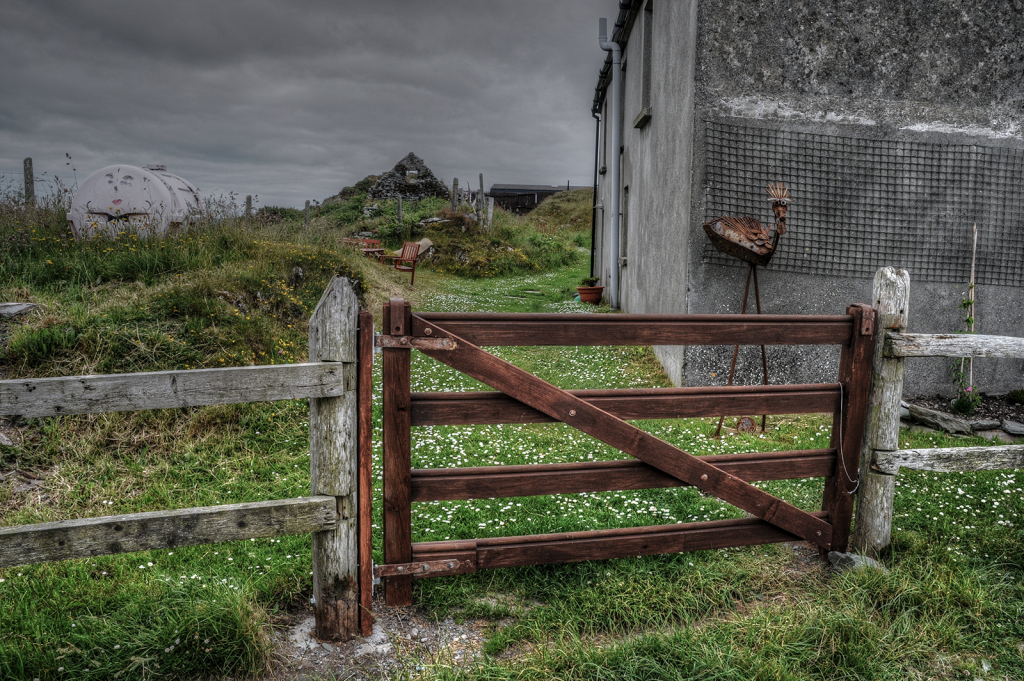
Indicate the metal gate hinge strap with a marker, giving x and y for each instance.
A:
(382, 341)
(434, 567)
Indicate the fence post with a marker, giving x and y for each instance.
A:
(305, 215)
(455, 193)
(248, 209)
(480, 202)
(873, 524)
(30, 183)
(364, 405)
(333, 452)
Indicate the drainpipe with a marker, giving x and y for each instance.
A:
(613, 272)
(593, 214)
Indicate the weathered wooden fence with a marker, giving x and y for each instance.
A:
(454, 339)
(881, 457)
(340, 354)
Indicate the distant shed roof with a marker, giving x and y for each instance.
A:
(524, 188)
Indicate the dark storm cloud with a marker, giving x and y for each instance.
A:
(293, 100)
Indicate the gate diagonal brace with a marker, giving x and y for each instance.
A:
(571, 410)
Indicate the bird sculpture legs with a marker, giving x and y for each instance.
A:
(751, 273)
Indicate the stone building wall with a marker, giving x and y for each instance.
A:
(898, 126)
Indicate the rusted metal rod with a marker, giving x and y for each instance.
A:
(751, 273)
(764, 354)
(736, 351)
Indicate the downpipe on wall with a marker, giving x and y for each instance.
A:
(616, 143)
(593, 214)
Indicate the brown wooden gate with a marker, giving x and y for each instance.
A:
(455, 340)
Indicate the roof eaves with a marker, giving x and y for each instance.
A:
(628, 10)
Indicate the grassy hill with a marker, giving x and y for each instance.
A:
(228, 294)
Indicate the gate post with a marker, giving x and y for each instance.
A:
(848, 423)
(397, 453)
(872, 528)
(332, 461)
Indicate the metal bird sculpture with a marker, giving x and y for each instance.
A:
(746, 238)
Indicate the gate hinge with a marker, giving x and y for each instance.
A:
(447, 566)
(414, 342)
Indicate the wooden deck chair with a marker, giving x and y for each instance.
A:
(406, 262)
(371, 248)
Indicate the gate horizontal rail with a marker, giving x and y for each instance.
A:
(569, 547)
(633, 329)
(480, 408)
(450, 484)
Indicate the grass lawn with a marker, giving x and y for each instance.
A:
(952, 605)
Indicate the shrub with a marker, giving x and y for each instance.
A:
(274, 214)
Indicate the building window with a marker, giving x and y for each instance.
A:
(645, 88)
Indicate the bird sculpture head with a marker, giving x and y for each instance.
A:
(778, 194)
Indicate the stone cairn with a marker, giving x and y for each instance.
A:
(409, 180)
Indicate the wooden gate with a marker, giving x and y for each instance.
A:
(454, 339)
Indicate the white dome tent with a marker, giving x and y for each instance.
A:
(149, 202)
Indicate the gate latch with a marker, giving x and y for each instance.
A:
(433, 567)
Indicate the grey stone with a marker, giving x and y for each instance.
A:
(5, 441)
(998, 435)
(1013, 428)
(984, 424)
(904, 412)
(410, 180)
(939, 420)
(842, 562)
(15, 309)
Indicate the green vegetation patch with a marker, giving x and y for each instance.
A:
(952, 605)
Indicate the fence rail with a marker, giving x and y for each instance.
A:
(951, 459)
(881, 458)
(330, 382)
(106, 535)
(952, 345)
(38, 397)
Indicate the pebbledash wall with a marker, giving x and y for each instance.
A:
(897, 125)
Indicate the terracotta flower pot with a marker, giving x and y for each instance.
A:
(590, 294)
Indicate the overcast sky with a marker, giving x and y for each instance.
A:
(293, 100)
